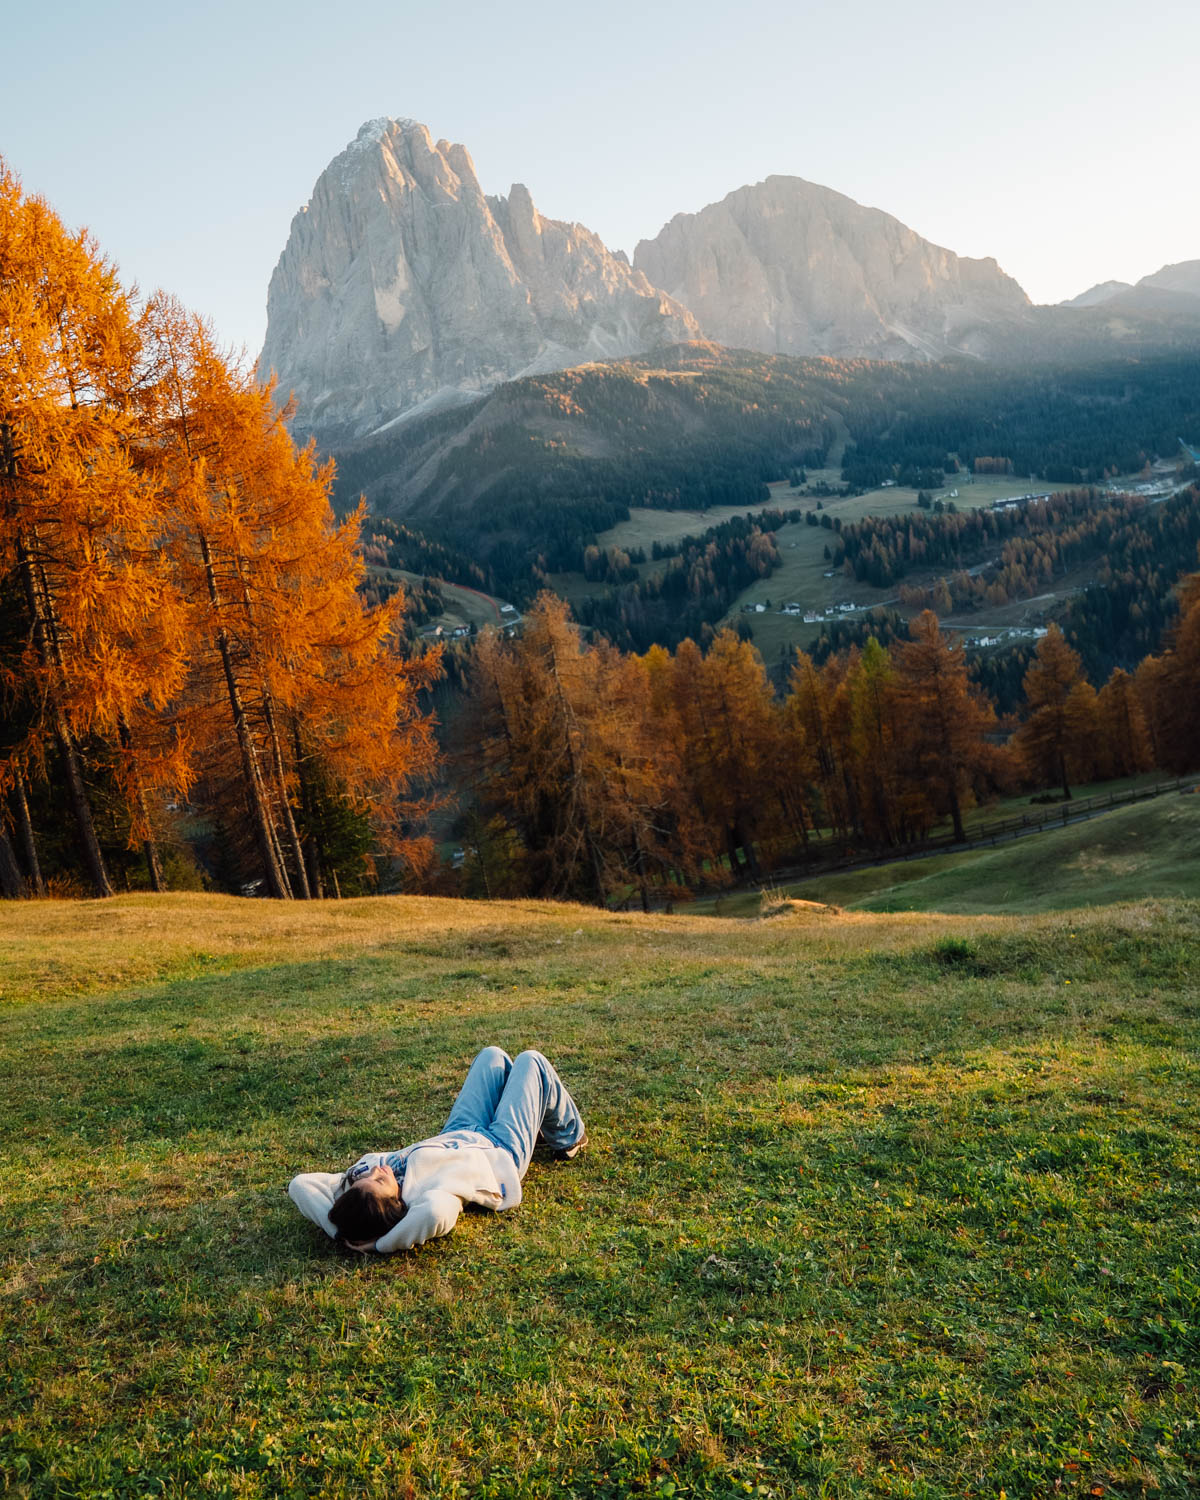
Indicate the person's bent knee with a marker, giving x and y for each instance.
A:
(491, 1055)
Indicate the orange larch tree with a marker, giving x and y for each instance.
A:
(810, 712)
(1179, 727)
(875, 738)
(944, 718)
(82, 525)
(284, 648)
(1044, 737)
(1123, 732)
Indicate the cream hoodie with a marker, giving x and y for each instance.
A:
(437, 1177)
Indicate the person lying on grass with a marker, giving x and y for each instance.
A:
(394, 1200)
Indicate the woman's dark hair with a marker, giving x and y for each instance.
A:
(360, 1215)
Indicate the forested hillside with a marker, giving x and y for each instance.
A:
(584, 772)
(522, 482)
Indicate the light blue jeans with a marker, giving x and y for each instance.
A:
(516, 1102)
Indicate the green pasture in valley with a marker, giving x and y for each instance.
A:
(463, 606)
(874, 1205)
(800, 578)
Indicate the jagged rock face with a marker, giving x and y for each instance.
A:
(402, 284)
(787, 267)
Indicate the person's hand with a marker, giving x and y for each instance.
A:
(363, 1247)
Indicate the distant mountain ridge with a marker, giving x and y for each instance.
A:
(1103, 291)
(404, 288)
(1182, 279)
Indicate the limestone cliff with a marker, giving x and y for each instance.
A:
(402, 285)
(788, 267)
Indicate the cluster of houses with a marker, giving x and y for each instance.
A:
(815, 616)
(1011, 502)
(1014, 633)
(445, 633)
(811, 616)
(510, 621)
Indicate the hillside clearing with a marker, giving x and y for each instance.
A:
(875, 1205)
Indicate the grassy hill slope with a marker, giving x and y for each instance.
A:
(1144, 850)
(876, 1205)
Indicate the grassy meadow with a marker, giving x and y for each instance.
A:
(1147, 849)
(875, 1205)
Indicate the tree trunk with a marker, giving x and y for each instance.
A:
(312, 848)
(640, 865)
(483, 874)
(751, 857)
(280, 861)
(38, 604)
(12, 882)
(149, 847)
(289, 821)
(316, 881)
(255, 800)
(33, 869)
(960, 836)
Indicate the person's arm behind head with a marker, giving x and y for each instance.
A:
(433, 1214)
(313, 1194)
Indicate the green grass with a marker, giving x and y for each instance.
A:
(1021, 804)
(1147, 849)
(874, 1205)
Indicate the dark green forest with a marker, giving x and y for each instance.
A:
(517, 485)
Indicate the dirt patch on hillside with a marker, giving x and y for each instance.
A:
(789, 907)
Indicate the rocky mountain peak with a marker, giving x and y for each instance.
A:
(789, 267)
(403, 285)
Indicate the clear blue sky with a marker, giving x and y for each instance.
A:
(1059, 136)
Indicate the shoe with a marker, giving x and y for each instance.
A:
(569, 1153)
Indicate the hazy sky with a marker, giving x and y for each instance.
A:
(1059, 136)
